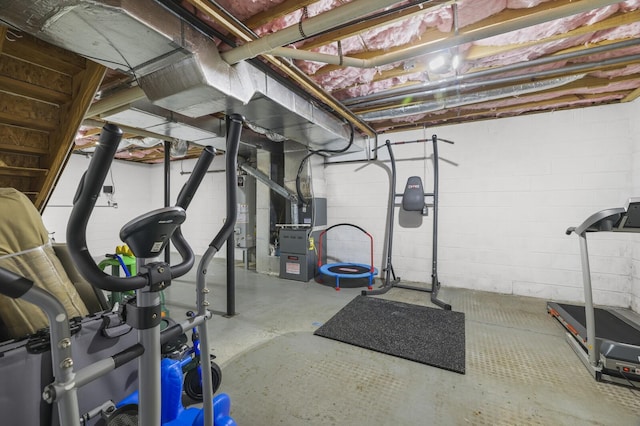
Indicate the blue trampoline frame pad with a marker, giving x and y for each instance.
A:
(324, 269)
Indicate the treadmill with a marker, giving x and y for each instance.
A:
(614, 355)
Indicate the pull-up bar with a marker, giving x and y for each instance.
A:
(434, 138)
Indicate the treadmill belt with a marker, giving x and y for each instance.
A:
(608, 326)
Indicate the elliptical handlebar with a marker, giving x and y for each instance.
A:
(84, 203)
(184, 199)
(199, 172)
(233, 143)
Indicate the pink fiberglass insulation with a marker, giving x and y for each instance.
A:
(633, 50)
(82, 141)
(618, 33)
(382, 38)
(470, 12)
(535, 51)
(138, 153)
(376, 86)
(81, 136)
(396, 34)
(401, 32)
(628, 70)
(406, 31)
(347, 77)
(410, 29)
(247, 8)
(523, 4)
(629, 5)
(295, 17)
(527, 53)
(548, 29)
(351, 82)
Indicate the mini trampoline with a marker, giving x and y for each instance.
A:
(358, 274)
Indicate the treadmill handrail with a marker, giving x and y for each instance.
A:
(597, 217)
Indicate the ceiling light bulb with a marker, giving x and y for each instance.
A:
(438, 63)
(455, 62)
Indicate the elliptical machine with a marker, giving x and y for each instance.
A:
(147, 236)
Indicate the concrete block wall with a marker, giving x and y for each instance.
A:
(133, 193)
(207, 211)
(509, 189)
(139, 188)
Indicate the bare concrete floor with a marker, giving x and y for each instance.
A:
(519, 368)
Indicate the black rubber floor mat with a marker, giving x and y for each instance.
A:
(418, 333)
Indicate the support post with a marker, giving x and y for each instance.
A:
(167, 191)
(231, 276)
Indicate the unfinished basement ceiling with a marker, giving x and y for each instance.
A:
(433, 62)
(308, 70)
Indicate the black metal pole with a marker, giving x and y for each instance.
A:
(234, 126)
(392, 204)
(167, 191)
(231, 276)
(388, 268)
(435, 283)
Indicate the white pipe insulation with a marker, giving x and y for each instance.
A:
(307, 28)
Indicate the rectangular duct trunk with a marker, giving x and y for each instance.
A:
(178, 67)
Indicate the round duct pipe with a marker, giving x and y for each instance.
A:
(179, 148)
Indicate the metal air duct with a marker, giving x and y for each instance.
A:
(280, 190)
(472, 98)
(179, 68)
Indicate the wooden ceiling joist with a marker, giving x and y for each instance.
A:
(632, 96)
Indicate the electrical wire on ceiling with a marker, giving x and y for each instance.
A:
(301, 199)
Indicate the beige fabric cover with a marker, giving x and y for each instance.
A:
(25, 249)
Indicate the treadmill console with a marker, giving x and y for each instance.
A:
(631, 220)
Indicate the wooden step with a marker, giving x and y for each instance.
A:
(22, 171)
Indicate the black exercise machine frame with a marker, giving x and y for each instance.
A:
(390, 282)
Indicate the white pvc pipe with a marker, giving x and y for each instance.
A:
(307, 55)
(118, 99)
(310, 27)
